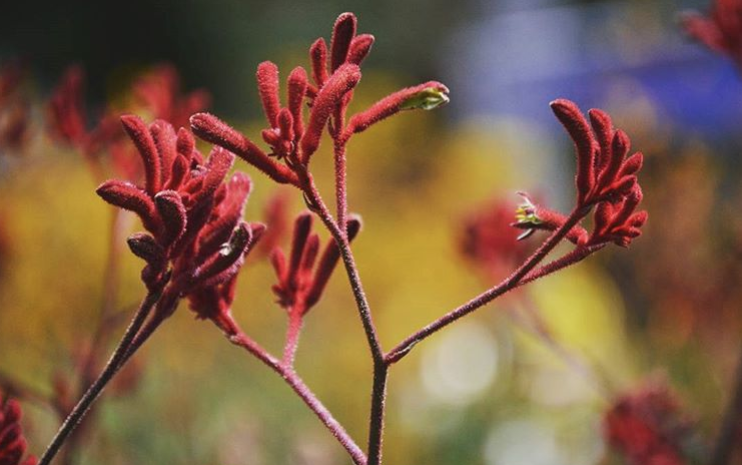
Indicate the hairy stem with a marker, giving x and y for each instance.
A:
(378, 404)
(119, 356)
(293, 332)
(350, 267)
(341, 193)
(306, 394)
(381, 368)
(511, 282)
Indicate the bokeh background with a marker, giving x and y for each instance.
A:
(489, 390)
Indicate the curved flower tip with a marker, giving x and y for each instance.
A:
(428, 98)
(342, 81)
(425, 96)
(342, 35)
(531, 218)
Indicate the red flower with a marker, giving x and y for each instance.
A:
(300, 283)
(606, 179)
(721, 30)
(647, 427)
(12, 443)
(488, 241)
(197, 238)
(157, 92)
(289, 136)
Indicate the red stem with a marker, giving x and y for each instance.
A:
(378, 407)
(341, 193)
(346, 253)
(293, 332)
(381, 368)
(513, 281)
(302, 390)
(119, 357)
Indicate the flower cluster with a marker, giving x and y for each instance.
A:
(647, 427)
(197, 238)
(157, 93)
(292, 138)
(300, 285)
(12, 443)
(606, 179)
(721, 31)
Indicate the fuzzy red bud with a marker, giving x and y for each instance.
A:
(329, 97)
(212, 129)
(140, 135)
(267, 76)
(424, 96)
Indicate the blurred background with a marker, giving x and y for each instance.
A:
(527, 380)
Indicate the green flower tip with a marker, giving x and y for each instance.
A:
(526, 214)
(427, 99)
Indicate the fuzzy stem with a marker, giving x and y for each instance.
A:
(378, 404)
(341, 193)
(293, 332)
(511, 282)
(306, 394)
(381, 367)
(120, 355)
(569, 259)
(731, 423)
(346, 253)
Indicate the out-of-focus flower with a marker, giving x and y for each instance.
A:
(14, 109)
(300, 285)
(12, 443)
(197, 238)
(488, 241)
(648, 427)
(721, 30)
(275, 217)
(157, 92)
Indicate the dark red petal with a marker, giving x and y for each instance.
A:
(212, 129)
(342, 35)
(576, 125)
(329, 97)
(140, 134)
